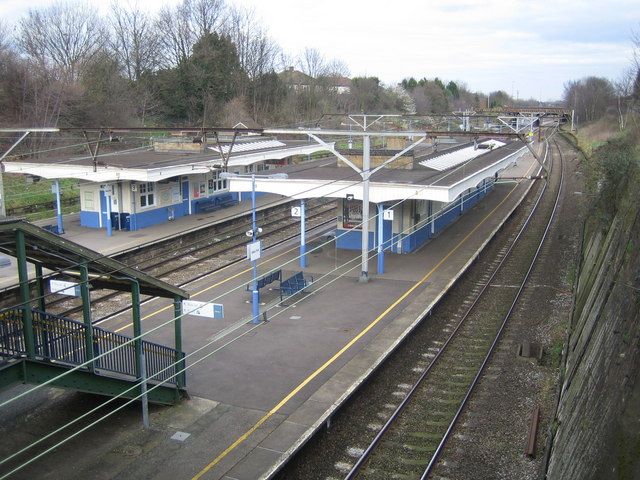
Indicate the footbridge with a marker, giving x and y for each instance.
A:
(40, 347)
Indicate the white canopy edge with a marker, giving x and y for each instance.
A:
(378, 192)
(105, 174)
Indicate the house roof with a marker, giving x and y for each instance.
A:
(295, 77)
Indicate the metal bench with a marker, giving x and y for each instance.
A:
(226, 200)
(267, 279)
(216, 203)
(51, 228)
(294, 284)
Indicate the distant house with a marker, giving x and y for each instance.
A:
(340, 84)
(296, 79)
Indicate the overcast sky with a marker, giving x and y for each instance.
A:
(528, 49)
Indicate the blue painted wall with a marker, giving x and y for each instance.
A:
(90, 219)
(148, 218)
(246, 196)
(350, 239)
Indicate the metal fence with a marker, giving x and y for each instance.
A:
(63, 340)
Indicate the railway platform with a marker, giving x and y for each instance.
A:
(258, 392)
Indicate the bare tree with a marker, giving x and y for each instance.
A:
(589, 97)
(337, 68)
(312, 63)
(624, 87)
(65, 36)
(5, 37)
(134, 41)
(176, 38)
(207, 16)
(183, 25)
(256, 51)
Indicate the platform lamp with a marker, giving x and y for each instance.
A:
(254, 249)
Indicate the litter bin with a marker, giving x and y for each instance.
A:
(125, 221)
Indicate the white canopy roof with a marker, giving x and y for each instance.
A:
(438, 190)
(175, 166)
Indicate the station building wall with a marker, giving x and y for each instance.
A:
(414, 222)
(136, 205)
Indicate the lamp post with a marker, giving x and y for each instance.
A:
(253, 233)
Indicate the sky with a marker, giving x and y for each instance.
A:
(528, 49)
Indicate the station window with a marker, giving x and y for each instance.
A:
(216, 183)
(147, 198)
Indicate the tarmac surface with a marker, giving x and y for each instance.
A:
(257, 392)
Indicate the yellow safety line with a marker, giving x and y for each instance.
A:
(339, 353)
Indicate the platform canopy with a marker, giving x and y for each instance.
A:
(146, 165)
(325, 179)
(54, 253)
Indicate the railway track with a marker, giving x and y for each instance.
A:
(413, 437)
(413, 417)
(188, 259)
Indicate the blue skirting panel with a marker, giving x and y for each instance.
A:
(148, 218)
(89, 219)
(443, 219)
(142, 219)
(352, 239)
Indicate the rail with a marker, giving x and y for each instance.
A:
(355, 470)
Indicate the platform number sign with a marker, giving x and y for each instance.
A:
(387, 214)
(296, 212)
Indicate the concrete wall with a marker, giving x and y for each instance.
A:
(598, 419)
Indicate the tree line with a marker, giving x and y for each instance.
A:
(198, 62)
(204, 62)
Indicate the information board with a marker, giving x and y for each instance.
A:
(254, 250)
(64, 288)
(203, 309)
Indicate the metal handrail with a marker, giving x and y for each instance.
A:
(63, 340)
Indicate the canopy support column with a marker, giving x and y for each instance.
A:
(56, 187)
(366, 167)
(303, 243)
(380, 239)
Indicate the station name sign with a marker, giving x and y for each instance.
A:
(203, 309)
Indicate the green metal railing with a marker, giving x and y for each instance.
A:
(63, 340)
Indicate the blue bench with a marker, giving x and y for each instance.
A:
(294, 284)
(226, 200)
(51, 228)
(216, 203)
(267, 279)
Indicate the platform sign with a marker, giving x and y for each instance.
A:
(387, 214)
(254, 250)
(296, 212)
(64, 288)
(203, 309)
